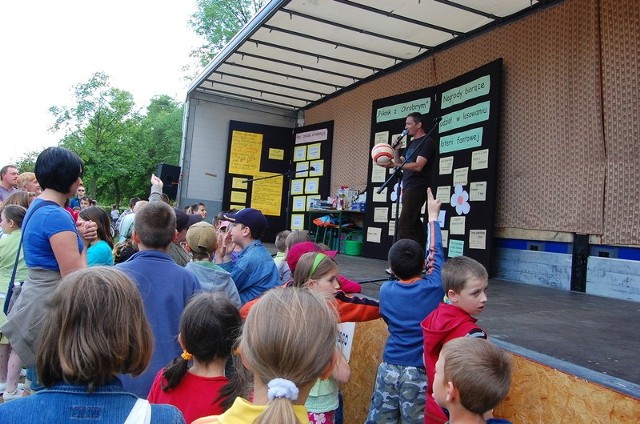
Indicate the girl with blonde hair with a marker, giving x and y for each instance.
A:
(288, 342)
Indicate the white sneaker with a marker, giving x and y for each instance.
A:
(9, 396)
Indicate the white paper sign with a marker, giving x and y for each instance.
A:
(373, 234)
(346, 331)
(381, 214)
(478, 239)
(446, 165)
(378, 174)
(456, 225)
(381, 137)
(444, 194)
(461, 176)
(478, 191)
(381, 197)
(480, 159)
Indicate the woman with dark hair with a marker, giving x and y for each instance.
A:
(96, 328)
(100, 250)
(52, 249)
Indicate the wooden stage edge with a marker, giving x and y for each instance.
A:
(613, 383)
(543, 390)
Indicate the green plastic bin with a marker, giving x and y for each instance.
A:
(353, 247)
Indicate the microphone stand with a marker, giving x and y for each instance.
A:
(397, 173)
(289, 174)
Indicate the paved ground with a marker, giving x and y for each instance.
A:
(593, 332)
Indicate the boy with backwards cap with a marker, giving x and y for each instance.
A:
(202, 242)
(253, 271)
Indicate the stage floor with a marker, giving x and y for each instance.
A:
(597, 333)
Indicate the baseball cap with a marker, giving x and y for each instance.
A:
(252, 218)
(201, 237)
(184, 221)
(299, 249)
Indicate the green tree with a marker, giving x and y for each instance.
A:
(98, 128)
(27, 162)
(120, 146)
(158, 139)
(217, 21)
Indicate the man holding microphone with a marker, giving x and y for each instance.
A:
(420, 154)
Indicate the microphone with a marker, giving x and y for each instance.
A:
(437, 119)
(400, 137)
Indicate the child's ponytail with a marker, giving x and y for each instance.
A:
(288, 341)
(175, 371)
(208, 330)
(281, 393)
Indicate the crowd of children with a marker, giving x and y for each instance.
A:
(223, 331)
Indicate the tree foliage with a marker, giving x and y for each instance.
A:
(120, 145)
(217, 21)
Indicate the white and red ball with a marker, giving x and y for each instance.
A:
(382, 154)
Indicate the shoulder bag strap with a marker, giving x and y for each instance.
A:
(24, 224)
(140, 413)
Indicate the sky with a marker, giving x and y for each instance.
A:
(47, 47)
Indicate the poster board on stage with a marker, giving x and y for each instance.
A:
(258, 151)
(312, 149)
(465, 176)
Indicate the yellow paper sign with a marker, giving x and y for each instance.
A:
(238, 197)
(277, 154)
(238, 183)
(245, 153)
(267, 194)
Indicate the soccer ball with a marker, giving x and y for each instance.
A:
(382, 154)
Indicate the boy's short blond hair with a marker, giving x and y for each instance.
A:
(457, 271)
(281, 240)
(295, 237)
(479, 370)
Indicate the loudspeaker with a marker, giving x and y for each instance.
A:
(170, 176)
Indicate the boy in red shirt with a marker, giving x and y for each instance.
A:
(465, 283)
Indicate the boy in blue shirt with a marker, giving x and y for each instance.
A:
(164, 286)
(401, 381)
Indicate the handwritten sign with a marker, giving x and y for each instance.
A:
(380, 214)
(477, 239)
(444, 194)
(456, 248)
(446, 165)
(277, 154)
(480, 159)
(267, 194)
(461, 176)
(373, 234)
(457, 225)
(478, 191)
(245, 153)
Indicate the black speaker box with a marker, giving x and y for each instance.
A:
(170, 176)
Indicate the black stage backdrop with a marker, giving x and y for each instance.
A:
(465, 176)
